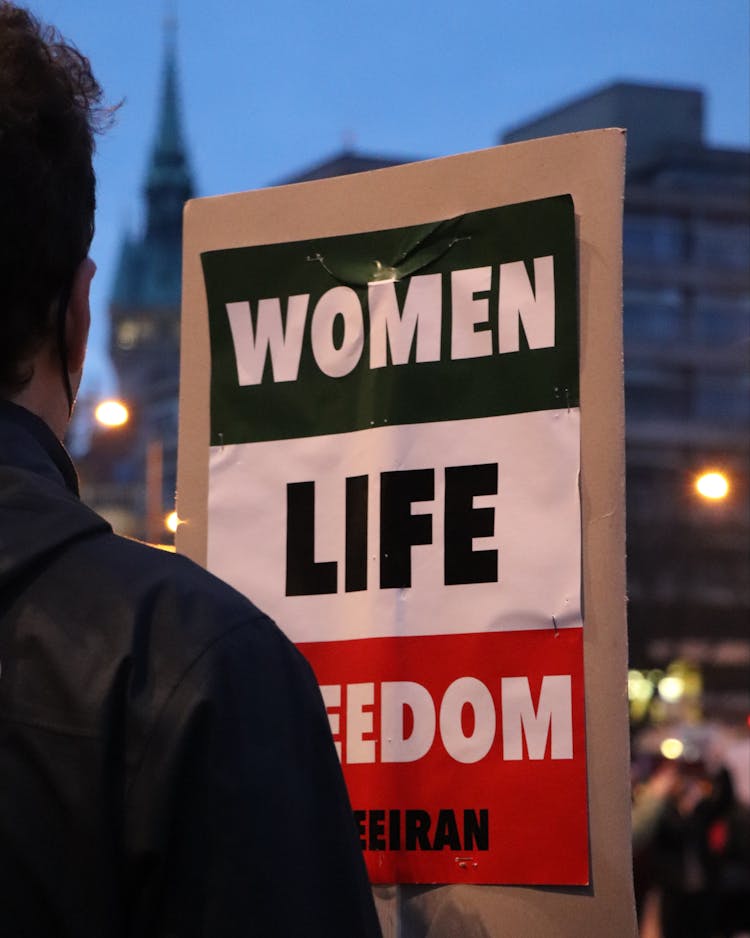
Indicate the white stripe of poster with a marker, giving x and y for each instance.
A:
(394, 477)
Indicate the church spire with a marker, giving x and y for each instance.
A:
(169, 182)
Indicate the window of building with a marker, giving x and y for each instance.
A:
(717, 572)
(723, 244)
(721, 320)
(133, 331)
(722, 397)
(163, 415)
(657, 393)
(653, 315)
(653, 237)
(652, 492)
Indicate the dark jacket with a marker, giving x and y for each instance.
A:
(166, 765)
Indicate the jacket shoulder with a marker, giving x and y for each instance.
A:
(145, 583)
(115, 622)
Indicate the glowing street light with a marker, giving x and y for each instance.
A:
(172, 522)
(712, 485)
(112, 414)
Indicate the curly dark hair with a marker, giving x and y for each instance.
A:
(50, 109)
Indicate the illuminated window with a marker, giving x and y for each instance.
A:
(132, 332)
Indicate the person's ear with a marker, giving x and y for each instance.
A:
(78, 316)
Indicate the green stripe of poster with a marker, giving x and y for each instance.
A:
(468, 317)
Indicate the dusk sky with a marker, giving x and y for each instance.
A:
(270, 88)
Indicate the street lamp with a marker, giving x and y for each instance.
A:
(112, 413)
(172, 522)
(712, 485)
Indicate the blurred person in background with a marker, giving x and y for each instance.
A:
(653, 791)
(728, 858)
(691, 853)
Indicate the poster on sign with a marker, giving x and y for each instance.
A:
(395, 420)
(401, 434)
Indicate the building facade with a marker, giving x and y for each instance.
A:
(686, 322)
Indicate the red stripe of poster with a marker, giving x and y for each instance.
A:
(481, 731)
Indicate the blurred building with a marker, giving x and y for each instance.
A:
(686, 245)
(343, 163)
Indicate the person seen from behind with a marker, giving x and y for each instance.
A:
(166, 761)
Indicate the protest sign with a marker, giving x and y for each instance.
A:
(391, 470)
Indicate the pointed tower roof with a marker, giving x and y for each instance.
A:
(148, 272)
(169, 180)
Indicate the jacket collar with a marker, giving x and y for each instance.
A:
(27, 441)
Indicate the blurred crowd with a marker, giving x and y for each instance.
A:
(691, 850)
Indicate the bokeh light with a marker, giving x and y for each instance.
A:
(672, 748)
(671, 688)
(172, 522)
(112, 414)
(713, 485)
